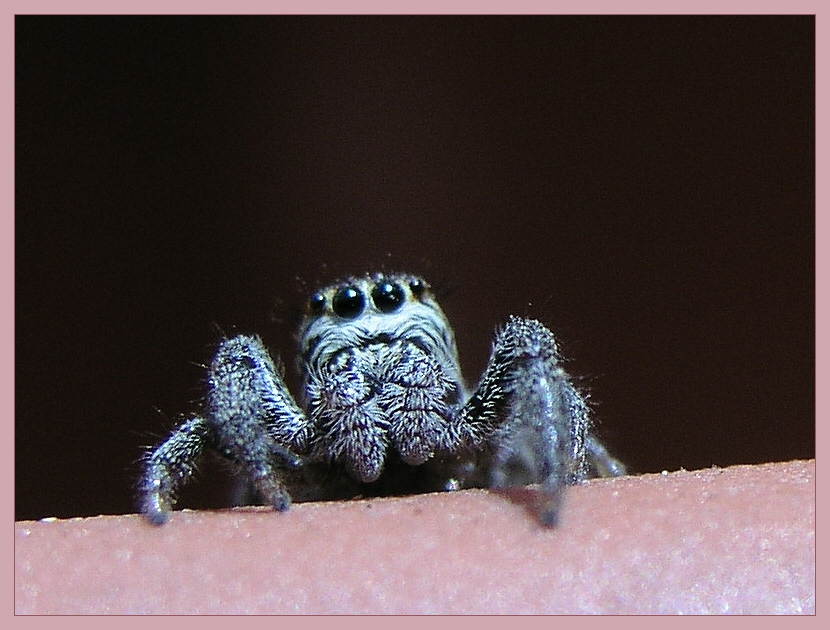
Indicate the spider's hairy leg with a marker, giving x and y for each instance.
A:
(534, 419)
(255, 420)
(249, 418)
(170, 466)
(601, 462)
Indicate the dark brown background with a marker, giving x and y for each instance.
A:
(643, 185)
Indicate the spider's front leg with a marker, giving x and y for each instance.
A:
(528, 416)
(169, 466)
(250, 418)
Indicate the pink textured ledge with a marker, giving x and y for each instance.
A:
(734, 540)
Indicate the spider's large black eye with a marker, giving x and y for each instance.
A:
(387, 296)
(348, 302)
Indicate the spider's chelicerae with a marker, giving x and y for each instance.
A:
(384, 409)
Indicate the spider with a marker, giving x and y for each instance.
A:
(384, 409)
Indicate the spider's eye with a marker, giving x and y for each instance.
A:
(387, 296)
(317, 304)
(417, 286)
(348, 302)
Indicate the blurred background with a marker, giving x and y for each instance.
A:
(643, 185)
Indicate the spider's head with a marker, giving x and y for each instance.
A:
(374, 309)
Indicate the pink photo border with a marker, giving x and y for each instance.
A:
(423, 7)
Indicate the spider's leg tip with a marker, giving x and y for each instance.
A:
(550, 506)
(155, 508)
(157, 517)
(282, 503)
(549, 517)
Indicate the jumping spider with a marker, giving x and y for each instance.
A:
(384, 409)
